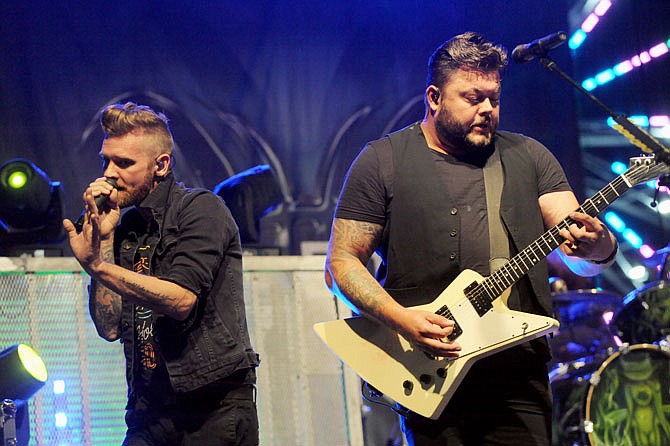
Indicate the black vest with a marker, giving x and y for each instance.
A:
(422, 236)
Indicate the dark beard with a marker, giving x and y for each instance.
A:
(136, 197)
(455, 135)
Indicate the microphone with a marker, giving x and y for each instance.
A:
(99, 200)
(538, 47)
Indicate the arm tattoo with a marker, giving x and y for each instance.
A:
(105, 305)
(352, 245)
(359, 238)
(105, 309)
(162, 303)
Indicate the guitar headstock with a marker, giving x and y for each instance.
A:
(645, 168)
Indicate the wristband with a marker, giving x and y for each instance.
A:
(610, 257)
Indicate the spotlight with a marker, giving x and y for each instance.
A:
(31, 208)
(250, 195)
(22, 372)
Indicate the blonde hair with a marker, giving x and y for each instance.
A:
(121, 119)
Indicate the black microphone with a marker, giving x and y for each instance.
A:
(99, 200)
(538, 47)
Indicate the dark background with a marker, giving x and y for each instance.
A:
(298, 85)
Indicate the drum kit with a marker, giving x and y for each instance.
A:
(610, 376)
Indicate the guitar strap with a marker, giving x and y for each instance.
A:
(498, 240)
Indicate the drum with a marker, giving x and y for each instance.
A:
(645, 315)
(569, 382)
(584, 330)
(622, 401)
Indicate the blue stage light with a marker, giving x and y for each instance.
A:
(615, 221)
(632, 237)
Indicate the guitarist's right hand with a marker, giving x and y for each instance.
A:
(428, 332)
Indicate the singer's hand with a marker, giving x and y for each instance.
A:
(86, 244)
(109, 213)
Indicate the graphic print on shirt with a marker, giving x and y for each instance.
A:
(144, 324)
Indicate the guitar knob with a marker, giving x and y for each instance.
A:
(408, 386)
(425, 379)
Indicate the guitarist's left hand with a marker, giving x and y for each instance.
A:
(591, 240)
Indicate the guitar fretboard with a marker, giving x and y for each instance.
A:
(507, 275)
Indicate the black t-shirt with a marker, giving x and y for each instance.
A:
(368, 191)
(151, 378)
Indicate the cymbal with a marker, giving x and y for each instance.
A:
(656, 258)
(586, 295)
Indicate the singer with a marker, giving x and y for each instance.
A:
(448, 193)
(166, 281)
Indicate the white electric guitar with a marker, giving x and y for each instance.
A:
(483, 323)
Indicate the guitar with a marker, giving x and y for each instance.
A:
(483, 326)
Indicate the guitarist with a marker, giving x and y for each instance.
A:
(417, 198)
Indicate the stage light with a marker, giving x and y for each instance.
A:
(626, 66)
(605, 76)
(589, 23)
(60, 419)
(17, 179)
(589, 84)
(638, 273)
(623, 67)
(602, 7)
(59, 387)
(658, 50)
(632, 237)
(639, 120)
(615, 221)
(618, 167)
(31, 208)
(22, 372)
(250, 195)
(659, 120)
(647, 251)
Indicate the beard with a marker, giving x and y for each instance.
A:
(459, 136)
(135, 196)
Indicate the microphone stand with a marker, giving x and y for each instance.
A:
(632, 132)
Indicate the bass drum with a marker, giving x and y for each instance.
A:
(622, 400)
(627, 400)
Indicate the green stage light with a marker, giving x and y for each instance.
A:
(32, 362)
(31, 208)
(22, 372)
(17, 179)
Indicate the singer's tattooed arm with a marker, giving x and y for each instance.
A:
(104, 304)
(111, 281)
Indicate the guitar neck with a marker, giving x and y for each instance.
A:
(508, 274)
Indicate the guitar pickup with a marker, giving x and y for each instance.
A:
(444, 311)
(478, 298)
(456, 333)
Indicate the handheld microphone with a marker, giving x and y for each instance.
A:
(538, 47)
(99, 200)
